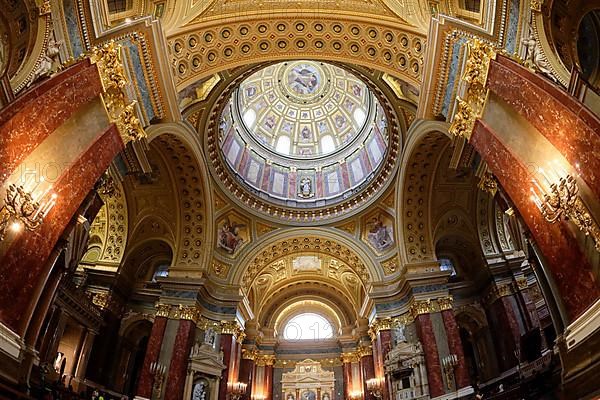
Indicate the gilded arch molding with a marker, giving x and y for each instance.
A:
(220, 43)
(193, 242)
(109, 230)
(426, 141)
(254, 259)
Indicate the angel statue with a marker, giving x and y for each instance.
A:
(49, 64)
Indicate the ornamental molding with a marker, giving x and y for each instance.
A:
(416, 308)
(311, 244)
(474, 77)
(207, 48)
(114, 83)
(191, 312)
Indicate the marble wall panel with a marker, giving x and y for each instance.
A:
(561, 118)
(32, 117)
(22, 266)
(570, 269)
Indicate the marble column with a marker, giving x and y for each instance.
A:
(179, 360)
(144, 388)
(368, 372)
(228, 347)
(347, 366)
(384, 345)
(461, 375)
(269, 381)
(432, 358)
(247, 375)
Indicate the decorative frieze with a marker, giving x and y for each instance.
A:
(416, 308)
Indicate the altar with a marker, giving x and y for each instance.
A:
(308, 381)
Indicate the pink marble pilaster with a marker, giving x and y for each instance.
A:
(432, 358)
(179, 360)
(144, 388)
(246, 375)
(461, 374)
(570, 269)
(368, 372)
(269, 381)
(24, 259)
(227, 347)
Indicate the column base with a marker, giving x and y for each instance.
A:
(140, 398)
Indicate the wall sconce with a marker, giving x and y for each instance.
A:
(376, 386)
(237, 390)
(449, 363)
(157, 370)
(556, 195)
(23, 209)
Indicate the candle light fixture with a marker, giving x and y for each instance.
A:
(376, 386)
(449, 363)
(556, 195)
(237, 390)
(23, 209)
(157, 370)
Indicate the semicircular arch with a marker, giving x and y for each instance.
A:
(254, 259)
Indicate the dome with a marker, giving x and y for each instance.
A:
(303, 109)
(303, 133)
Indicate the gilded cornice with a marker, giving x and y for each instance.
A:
(265, 359)
(350, 357)
(417, 307)
(194, 313)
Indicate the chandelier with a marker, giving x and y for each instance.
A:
(23, 209)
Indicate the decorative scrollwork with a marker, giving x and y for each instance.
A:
(470, 107)
(114, 83)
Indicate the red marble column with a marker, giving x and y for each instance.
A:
(228, 345)
(247, 375)
(570, 268)
(269, 381)
(22, 259)
(368, 372)
(347, 379)
(179, 360)
(384, 345)
(570, 126)
(144, 388)
(432, 358)
(33, 116)
(461, 374)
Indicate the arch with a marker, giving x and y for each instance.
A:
(286, 312)
(228, 44)
(109, 230)
(426, 140)
(147, 253)
(254, 259)
(327, 294)
(193, 241)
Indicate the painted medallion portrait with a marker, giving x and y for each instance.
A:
(303, 79)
